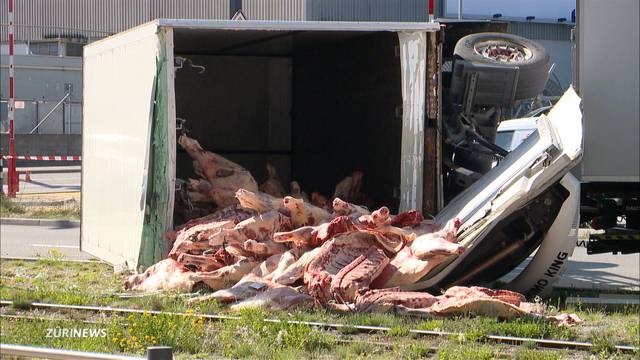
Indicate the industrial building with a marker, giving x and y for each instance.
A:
(49, 36)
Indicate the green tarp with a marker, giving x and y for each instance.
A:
(152, 248)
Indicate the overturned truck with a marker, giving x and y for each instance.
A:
(314, 100)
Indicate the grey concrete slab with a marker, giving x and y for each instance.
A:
(40, 222)
(38, 241)
(49, 183)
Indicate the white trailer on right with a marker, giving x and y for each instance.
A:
(607, 79)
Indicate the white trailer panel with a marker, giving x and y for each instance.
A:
(608, 83)
(119, 80)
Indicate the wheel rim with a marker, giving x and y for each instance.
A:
(503, 52)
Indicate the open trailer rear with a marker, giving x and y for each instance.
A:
(316, 99)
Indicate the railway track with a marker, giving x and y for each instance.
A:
(500, 339)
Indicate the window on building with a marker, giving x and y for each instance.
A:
(74, 50)
(44, 48)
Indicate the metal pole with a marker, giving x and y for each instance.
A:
(431, 10)
(12, 180)
(459, 9)
(50, 112)
(159, 353)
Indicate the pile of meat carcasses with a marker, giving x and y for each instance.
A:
(271, 252)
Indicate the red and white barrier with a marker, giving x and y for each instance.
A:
(44, 157)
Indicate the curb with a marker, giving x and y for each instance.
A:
(40, 222)
(96, 261)
(48, 170)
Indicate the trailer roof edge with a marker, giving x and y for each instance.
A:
(298, 25)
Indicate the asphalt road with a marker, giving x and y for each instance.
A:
(38, 241)
(49, 183)
(602, 271)
(596, 272)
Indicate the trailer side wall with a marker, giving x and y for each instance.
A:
(608, 84)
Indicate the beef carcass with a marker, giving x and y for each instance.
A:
(272, 185)
(475, 300)
(199, 190)
(191, 241)
(279, 298)
(248, 286)
(305, 214)
(259, 201)
(295, 271)
(275, 265)
(341, 207)
(253, 232)
(424, 253)
(390, 237)
(385, 300)
(358, 253)
(208, 261)
(225, 176)
(316, 235)
(320, 201)
(456, 301)
(296, 191)
(191, 237)
(226, 276)
(349, 188)
(167, 274)
(409, 218)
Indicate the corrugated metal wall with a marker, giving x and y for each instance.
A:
(367, 10)
(275, 9)
(38, 19)
(541, 31)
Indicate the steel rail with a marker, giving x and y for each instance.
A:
(512, 340)
(47, 353)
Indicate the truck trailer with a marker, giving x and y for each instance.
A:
(607, 79)
(316, 100)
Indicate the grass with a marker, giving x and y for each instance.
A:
(10, 208)
(94, 283)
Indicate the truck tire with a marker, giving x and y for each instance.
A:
(499, 49)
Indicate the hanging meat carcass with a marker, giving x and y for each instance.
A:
(272, 185)
(349, 187)
(225, 176)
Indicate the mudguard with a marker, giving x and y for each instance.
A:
(550, 260)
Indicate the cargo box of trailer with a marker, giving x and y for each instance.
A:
(315, 99)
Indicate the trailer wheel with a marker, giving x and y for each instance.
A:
(509, 50)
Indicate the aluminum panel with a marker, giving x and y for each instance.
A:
(609, 87)
(115, 148)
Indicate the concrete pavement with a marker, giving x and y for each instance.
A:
(49, 182)
(38, 241)
(595, 272)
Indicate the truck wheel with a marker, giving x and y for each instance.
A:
(509, 50)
